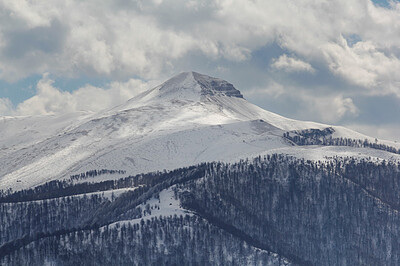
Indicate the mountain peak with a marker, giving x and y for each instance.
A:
(187, 83)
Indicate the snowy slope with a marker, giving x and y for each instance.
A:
(189, 119)
(22, 131)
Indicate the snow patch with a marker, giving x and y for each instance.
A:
(166, 206)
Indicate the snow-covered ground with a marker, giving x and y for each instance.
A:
(166, 206)
(187, 120)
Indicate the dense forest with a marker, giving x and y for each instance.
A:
(160, 241)
(324, 137)
(271, 210)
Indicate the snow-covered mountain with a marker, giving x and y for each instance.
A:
(189, 119)
(309, 194)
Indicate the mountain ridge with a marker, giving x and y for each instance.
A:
(181, 122)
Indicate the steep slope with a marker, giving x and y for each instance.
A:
(189, 119)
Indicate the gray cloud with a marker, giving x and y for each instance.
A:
(25, 42)
(379, 110)
(300, 103)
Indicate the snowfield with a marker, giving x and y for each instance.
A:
(189, 119)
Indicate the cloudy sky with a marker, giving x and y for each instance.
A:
(331, 61)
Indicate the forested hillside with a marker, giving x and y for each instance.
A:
(271, 210)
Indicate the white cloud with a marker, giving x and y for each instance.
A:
(88, 38)
(51, 100)
(365, 65)
(314, 29)
(290, 64)
(329, 109)
(332, 109)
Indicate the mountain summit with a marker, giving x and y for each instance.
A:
(187, 86)
(204, 84)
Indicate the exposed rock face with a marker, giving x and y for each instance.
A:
(212, 86)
